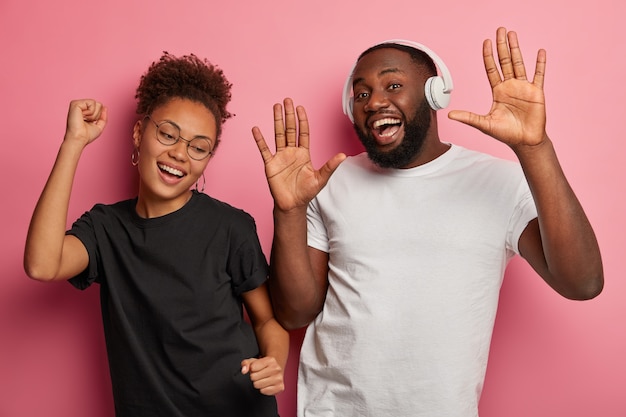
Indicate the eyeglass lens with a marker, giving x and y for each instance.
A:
(197, 148)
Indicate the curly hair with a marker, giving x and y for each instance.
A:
(186, 77)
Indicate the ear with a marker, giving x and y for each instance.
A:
(137, 133)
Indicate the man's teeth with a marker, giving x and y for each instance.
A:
(387, 127)
(386, 121)
(171, 170)
(389, 132)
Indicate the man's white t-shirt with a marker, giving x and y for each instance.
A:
(416, 259)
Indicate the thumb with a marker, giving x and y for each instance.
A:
(471, 119)
(245, 365)
(330, 166)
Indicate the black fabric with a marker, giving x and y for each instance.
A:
(171, 306)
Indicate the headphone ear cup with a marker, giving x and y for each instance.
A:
(435, 94)
(351, 109)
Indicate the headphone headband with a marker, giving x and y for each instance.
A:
(437, 88)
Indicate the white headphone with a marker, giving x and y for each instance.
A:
(437, 88)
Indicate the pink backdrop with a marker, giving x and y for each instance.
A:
(550, 356)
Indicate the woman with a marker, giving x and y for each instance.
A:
(175, 266)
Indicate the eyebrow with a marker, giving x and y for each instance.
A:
(180, 130)
(391, 70)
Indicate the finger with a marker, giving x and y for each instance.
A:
(245, 366)
(519, 70)
(504, 54)
(270, 386)
(266, 154)
(96, 112)
(90, 110)
(279, 126)
(273, 389)
(102, 118)
(330, 166)
(490, 64)
(291, 130)
(264, 368)
(540, 69)
(270, 382)
(303, 122)
(78, 113)
(80, 106)
(468, 118)
(259, 364)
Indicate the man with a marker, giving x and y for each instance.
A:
(400, 269)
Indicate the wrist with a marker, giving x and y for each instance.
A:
(532, 148)
(290, 213)
(73, 142)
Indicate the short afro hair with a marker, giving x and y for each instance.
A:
(187, 77)
(419, 57)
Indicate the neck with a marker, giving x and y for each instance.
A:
(150, 206)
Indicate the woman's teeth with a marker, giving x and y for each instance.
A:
(171, 170)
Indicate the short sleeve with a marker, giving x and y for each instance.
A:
(524, 211)
(317, 236)
(83, 230)
(247, 266)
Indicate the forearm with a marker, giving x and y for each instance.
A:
(573, 264)
(273, 341)
(46, 234)
(295, 291)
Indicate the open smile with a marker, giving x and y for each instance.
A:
(171, 171)
(385, 130)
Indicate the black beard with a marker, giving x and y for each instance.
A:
(415, 131)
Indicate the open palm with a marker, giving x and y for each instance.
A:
(517, 116)
(290, 174)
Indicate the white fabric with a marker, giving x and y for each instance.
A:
(416, 262)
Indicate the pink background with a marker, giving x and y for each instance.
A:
(550, 356)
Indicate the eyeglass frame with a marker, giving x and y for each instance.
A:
(188, 141)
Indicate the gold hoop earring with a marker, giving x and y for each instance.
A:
(203, 184)
(134, 157)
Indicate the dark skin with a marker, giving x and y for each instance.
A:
(51, 255)
(559, 244)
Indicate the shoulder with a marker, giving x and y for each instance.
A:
(119, 209)
(359, 164)
(360, 160)
(212, 206)
(483, 174)
(478, 160)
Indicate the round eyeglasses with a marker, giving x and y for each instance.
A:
(168, 133)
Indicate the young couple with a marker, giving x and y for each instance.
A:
(394, 258)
